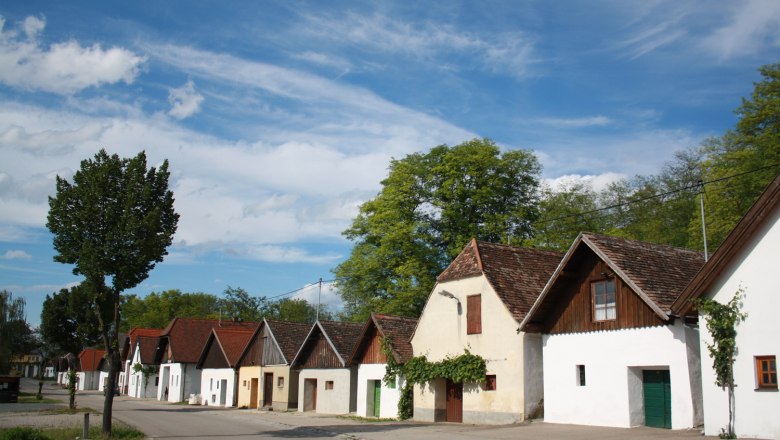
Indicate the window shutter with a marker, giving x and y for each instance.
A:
(473, 314)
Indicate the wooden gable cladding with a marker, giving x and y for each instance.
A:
(321, 354)
(270, 354)
(251, 355)
(214, 358)
(372, 349)
(572, 311)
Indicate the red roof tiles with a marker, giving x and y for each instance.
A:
(89, 359)
(187, 336)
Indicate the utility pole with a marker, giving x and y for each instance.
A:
(319, 299)
(703, 223)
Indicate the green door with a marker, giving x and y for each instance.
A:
(658, 398)
(377, 396)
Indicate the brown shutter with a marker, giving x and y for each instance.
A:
(473, 314)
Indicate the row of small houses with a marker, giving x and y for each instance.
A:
(606, 334)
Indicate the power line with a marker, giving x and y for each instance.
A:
(660, 195)
(301, 288)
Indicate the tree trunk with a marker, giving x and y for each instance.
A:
(110, 332)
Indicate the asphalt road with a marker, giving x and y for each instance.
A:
(162, 420)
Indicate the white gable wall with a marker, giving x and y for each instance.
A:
(339, 400)
(756, 271)
(218, 386)
(441, 332)
(614, 360)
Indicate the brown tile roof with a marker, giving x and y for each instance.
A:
(399, 330)
(132, 337)
(89, 359)
(661, 272)
(342, 335)
(289, 336)
(232, 342)
(188, 336)
(732, 246)
(147, 346)
(517, 274)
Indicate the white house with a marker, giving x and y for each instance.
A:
(748, 259)
(477, 305)
(613, 353)
(89, 369)
(219, 365)
(375, 398)
(327, 384)
(127, 344)
(144, 378)
(180, 346)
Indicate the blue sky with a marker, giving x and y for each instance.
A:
(279, 118)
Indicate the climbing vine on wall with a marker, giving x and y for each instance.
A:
(466, 367)
(722, 320)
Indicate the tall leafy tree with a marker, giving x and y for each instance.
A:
(564, 213)
(239, 305)
(430, 205)
(68, 320)
(297, 310)
(16, 337)
(113, 223)
(156, 310)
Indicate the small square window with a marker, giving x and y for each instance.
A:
(328, 384)
(490, 382)
(580, 375)
(280, 382)
(766, 372)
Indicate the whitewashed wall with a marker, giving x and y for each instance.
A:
(182, 380)
(211, 387)
(441, 332)
(755, 270)
(341, 399)
(614, 360)
(388, 397)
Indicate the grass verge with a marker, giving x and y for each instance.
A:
(30, 398)
(121, 431)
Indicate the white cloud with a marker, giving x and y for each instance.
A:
(328, 296)
(64, 68)
(509, 52)
(591, 121)
(755, 25)
(185, 101)
(16, 255)
(596, 182)
(322, 59)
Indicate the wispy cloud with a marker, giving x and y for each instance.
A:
(589, 121)
(503, 52)
(754, 27)
(64, 68)
(185, 101)
(16, 255)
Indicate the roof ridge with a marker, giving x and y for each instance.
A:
(643, 242)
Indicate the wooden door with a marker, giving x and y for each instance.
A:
(253, 393)
(268, 389)
(377, 396)
(658, 398)
(310, 395)
(454, 402)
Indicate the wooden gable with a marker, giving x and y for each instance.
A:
(572, 311)
(213, 357)
(318, 353)
(370, 350)
(251, 355)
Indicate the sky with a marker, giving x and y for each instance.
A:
(279, 118)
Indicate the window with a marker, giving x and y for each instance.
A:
(211, 384)
(580, 375)
(280, 382)
(474, 314)
(328, 384)
(490, 382)
(603, 300)
(157, 381)
(244, 384)
(766, 372)
(177, 380)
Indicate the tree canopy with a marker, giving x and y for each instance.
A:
(68, 321)
(430, 205)
(156, 310)
(16, 337)
(114, 223)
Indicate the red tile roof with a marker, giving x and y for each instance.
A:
(517, 274)
(132, 338)
(232, 342)
(89, 359)
(147, 346)
(399, 330)
(187, 336)
(341, 336)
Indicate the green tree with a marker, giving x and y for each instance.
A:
(113, 223)
(156, 310)
(68, 320)
(564, 213)
(754, 144)
(297, 310)
(239, 305)
(16, 337)
(430, 205)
